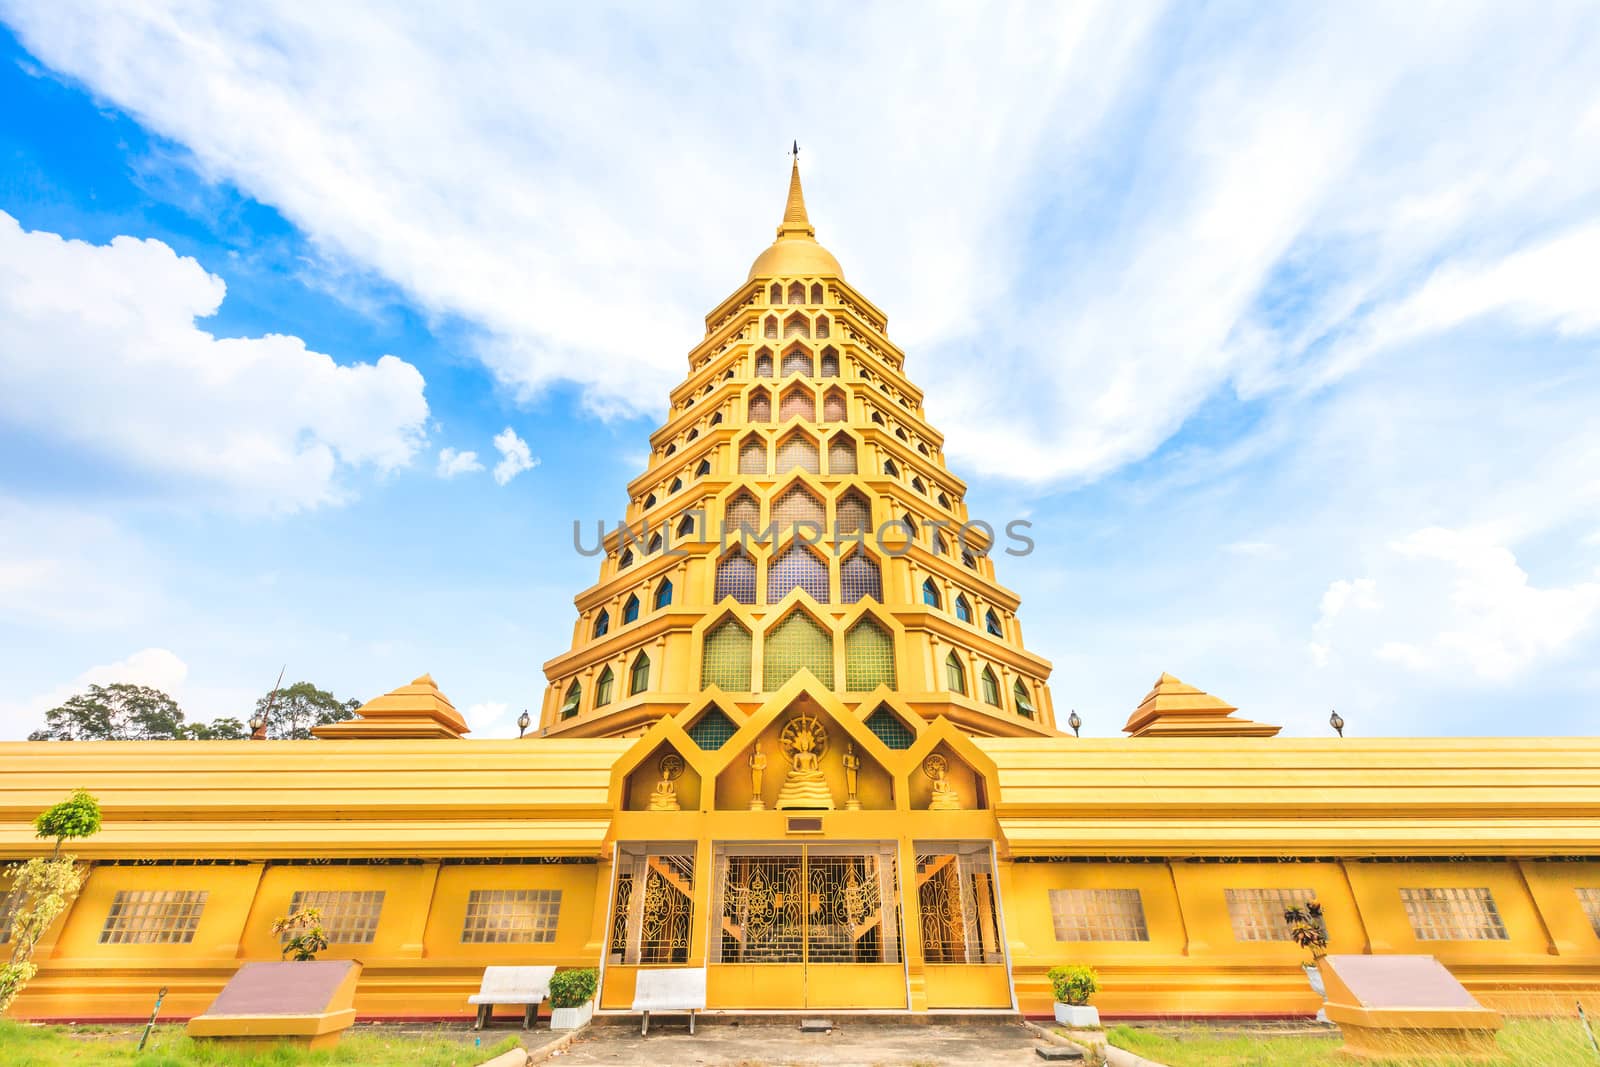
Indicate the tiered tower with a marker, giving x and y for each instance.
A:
(796, 515)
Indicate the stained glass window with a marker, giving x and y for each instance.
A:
(795, 643)
(841, 455)
(890, 730)
(859, 577)
(736, 577)
(725, 658)
(796, 568)
(868, 657)
(797, 402)
(797, 450)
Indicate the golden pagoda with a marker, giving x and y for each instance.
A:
(797, 741)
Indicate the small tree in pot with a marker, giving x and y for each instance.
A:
(1309, 930)
(572, 998)
(1073, 985)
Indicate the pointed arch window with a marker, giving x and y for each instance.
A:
(772, 326)
(798, 450)
(776, 295)
(602, 623)
(930, 594)
(725, 658)
(989, 688)
(991, 622)
(916, 483)
(692, 434)
(716, 417)
(841, 455)
(796, 326)
(763, 363)
(890, 469)
(753, 456)
(900, 432)
(760, 406)
(911, 523)
(894, 734)
(654, 545)
(602, 688)
(822, 326)
(630, 610)
(830, 363)
(969, 560)
(796, 361)
(703, 469)
(860, 578)
(797, 293)
(797, 568)
(677, 484)
(797, 507)
(816, 292)
(797, 643)
(834, 408)
(649, 502)
(669, 450)
(939, 544)
(854, 513)
(955, 676)
(944, 501)
(924, 450)
(736, 577)
(743, 515)
(686, 526)
(798, 402)
(570, 702)
(963, 608)
(877, 418)
(639, 677)
(663, 594)
(868, 657)
(1019, 693)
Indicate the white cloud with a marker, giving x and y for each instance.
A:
(484, 717)
(101, 352)
(515, 456)
(452, 463)
(1360, 594)
(158, 668)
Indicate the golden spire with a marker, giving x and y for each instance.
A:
(795, 252)
(795, 223)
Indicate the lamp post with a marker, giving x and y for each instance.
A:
(1074, 722)
(522, 723)
(258, 726)
(1337, 722)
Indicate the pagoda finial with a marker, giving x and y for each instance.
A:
(795, 223)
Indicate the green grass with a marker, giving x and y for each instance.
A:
(51, 1046)
(1523, 1043)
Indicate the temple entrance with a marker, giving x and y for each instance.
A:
(806, 926)
(958, 915)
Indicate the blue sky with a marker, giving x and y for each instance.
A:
(1282, 327)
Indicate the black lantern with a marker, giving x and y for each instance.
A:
(522, 722)
(1335, 721)
(1074, 722)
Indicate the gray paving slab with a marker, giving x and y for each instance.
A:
(868, 1043)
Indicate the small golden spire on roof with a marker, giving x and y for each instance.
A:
(1173, 708)
(795, 251)
(795, 223)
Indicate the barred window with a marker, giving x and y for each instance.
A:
(1019, 693)
(1453, 915)
(349, 917)
(855, 515)
(795, 507)
(763, 363)
(891, 731)
(1098, 915)
(743, 515)
(736, 577)
(1257, 914)
(796, 361)
(868, 657)
(991, 622)
(798, 450)
(772, 326)
(816, 292)
(796, 326)
(753, 456)
(574, 697)
(930, 593)
(989, 687)
(798, 402)
(797, 568)
(834, 408)
(955, 676)
(602, 623)
(776, 296)
(841, 455)
(797, 293)
(760, 406)
(602, 688)
(713, 729)
(859, 578)
(639, 677)
(725, 658)
(1590, 900)
(963, 608)
(822, 326)
(630, 610)
(795, 643)
(663, 594)
(153, 917)
(511, 916)
(830, 363)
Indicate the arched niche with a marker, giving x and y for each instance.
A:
(968, 784)
(644, 778)
(735, 783)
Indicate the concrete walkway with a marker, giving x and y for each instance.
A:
(854, 1040)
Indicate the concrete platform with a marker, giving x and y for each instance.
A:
(729, 1040)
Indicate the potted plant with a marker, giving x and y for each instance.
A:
(1308, 930)
(572, 998)
(1074, 985)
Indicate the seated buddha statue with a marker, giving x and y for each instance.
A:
(805, 787)
(943, 797)
(665, 795)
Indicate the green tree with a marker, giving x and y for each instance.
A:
(293, 710)
(118, 712)
(42, 887)
(224, 729)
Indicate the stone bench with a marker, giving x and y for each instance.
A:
(669, 989)
(512, 985)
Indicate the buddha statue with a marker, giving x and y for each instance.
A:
(665, 795)
(758, 773)
(804, 741)
(944, 797)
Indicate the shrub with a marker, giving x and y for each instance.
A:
(309, 937)
(573, 989)
(1073, 984)
(77, 816)
(43, 888)
(1307, 928)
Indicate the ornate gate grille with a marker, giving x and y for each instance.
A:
(806, 904)
(652, 911)
(956, 903)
